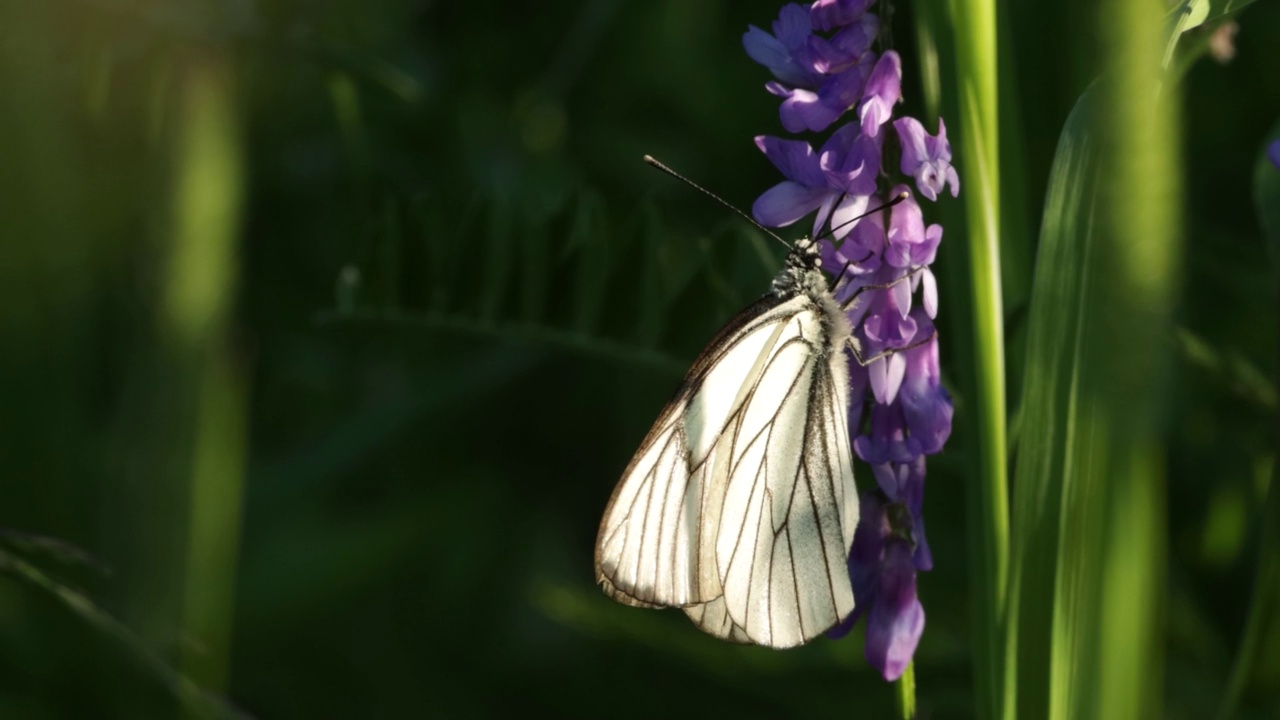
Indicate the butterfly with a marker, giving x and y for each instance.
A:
(739, 507)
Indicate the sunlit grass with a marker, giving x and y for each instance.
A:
(201, 289)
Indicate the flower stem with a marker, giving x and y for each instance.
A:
(974, 23)
(905, 693)
(201, 292)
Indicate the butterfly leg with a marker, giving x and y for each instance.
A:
(853, 300)
(855, 349)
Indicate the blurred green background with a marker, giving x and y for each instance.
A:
(326, 329)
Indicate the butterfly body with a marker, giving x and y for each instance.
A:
(739, 506)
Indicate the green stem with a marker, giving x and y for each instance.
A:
(974, 23)
(905, 693)
(199, 299)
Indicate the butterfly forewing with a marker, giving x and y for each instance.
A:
(657, 539)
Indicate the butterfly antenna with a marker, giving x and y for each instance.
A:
(897, 199)
(650, 159)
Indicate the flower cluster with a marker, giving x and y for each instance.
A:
(824, 59)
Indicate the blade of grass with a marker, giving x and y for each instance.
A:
(1085, 628)
(1053, 349)
(201, 291)
(194, 701)
(983, 378)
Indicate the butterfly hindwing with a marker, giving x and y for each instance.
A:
(790, 507)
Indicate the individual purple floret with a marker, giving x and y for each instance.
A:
(883, 571)
(925, 403)
(927, 158)
(786, 51)
(838, 181)
(896, 619)
(827, 15)
(883, 91)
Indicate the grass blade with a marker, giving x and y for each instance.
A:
(1050, 381)
(201, 282)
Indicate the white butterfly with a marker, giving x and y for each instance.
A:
(739, 506)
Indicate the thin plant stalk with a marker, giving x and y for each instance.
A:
(199, 298)
(904, 695)
(974, 24)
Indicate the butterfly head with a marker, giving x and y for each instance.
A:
(802, 271)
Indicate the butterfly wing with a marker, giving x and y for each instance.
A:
(760, 415)
(657, 539)
(790, 506)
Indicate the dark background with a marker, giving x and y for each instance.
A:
(458, 299)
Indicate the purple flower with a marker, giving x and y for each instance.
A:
(838, 181)
(855, 259)
(1273, 153)
(819, 78)
(909, 243)
(851, 161)
(896, 619)
(904, 483)
(886, 323)
(883, 571)
(867, 239)
(929, 294)
(883, 91)
(804, 190)
(825, 63)
(828, 14)
(865, 557)
(815, 111)
(926, 405)
(849, 46)
(785, 52)
(927, 158)
(888, 441)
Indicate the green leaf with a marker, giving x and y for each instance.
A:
(1088, 573)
